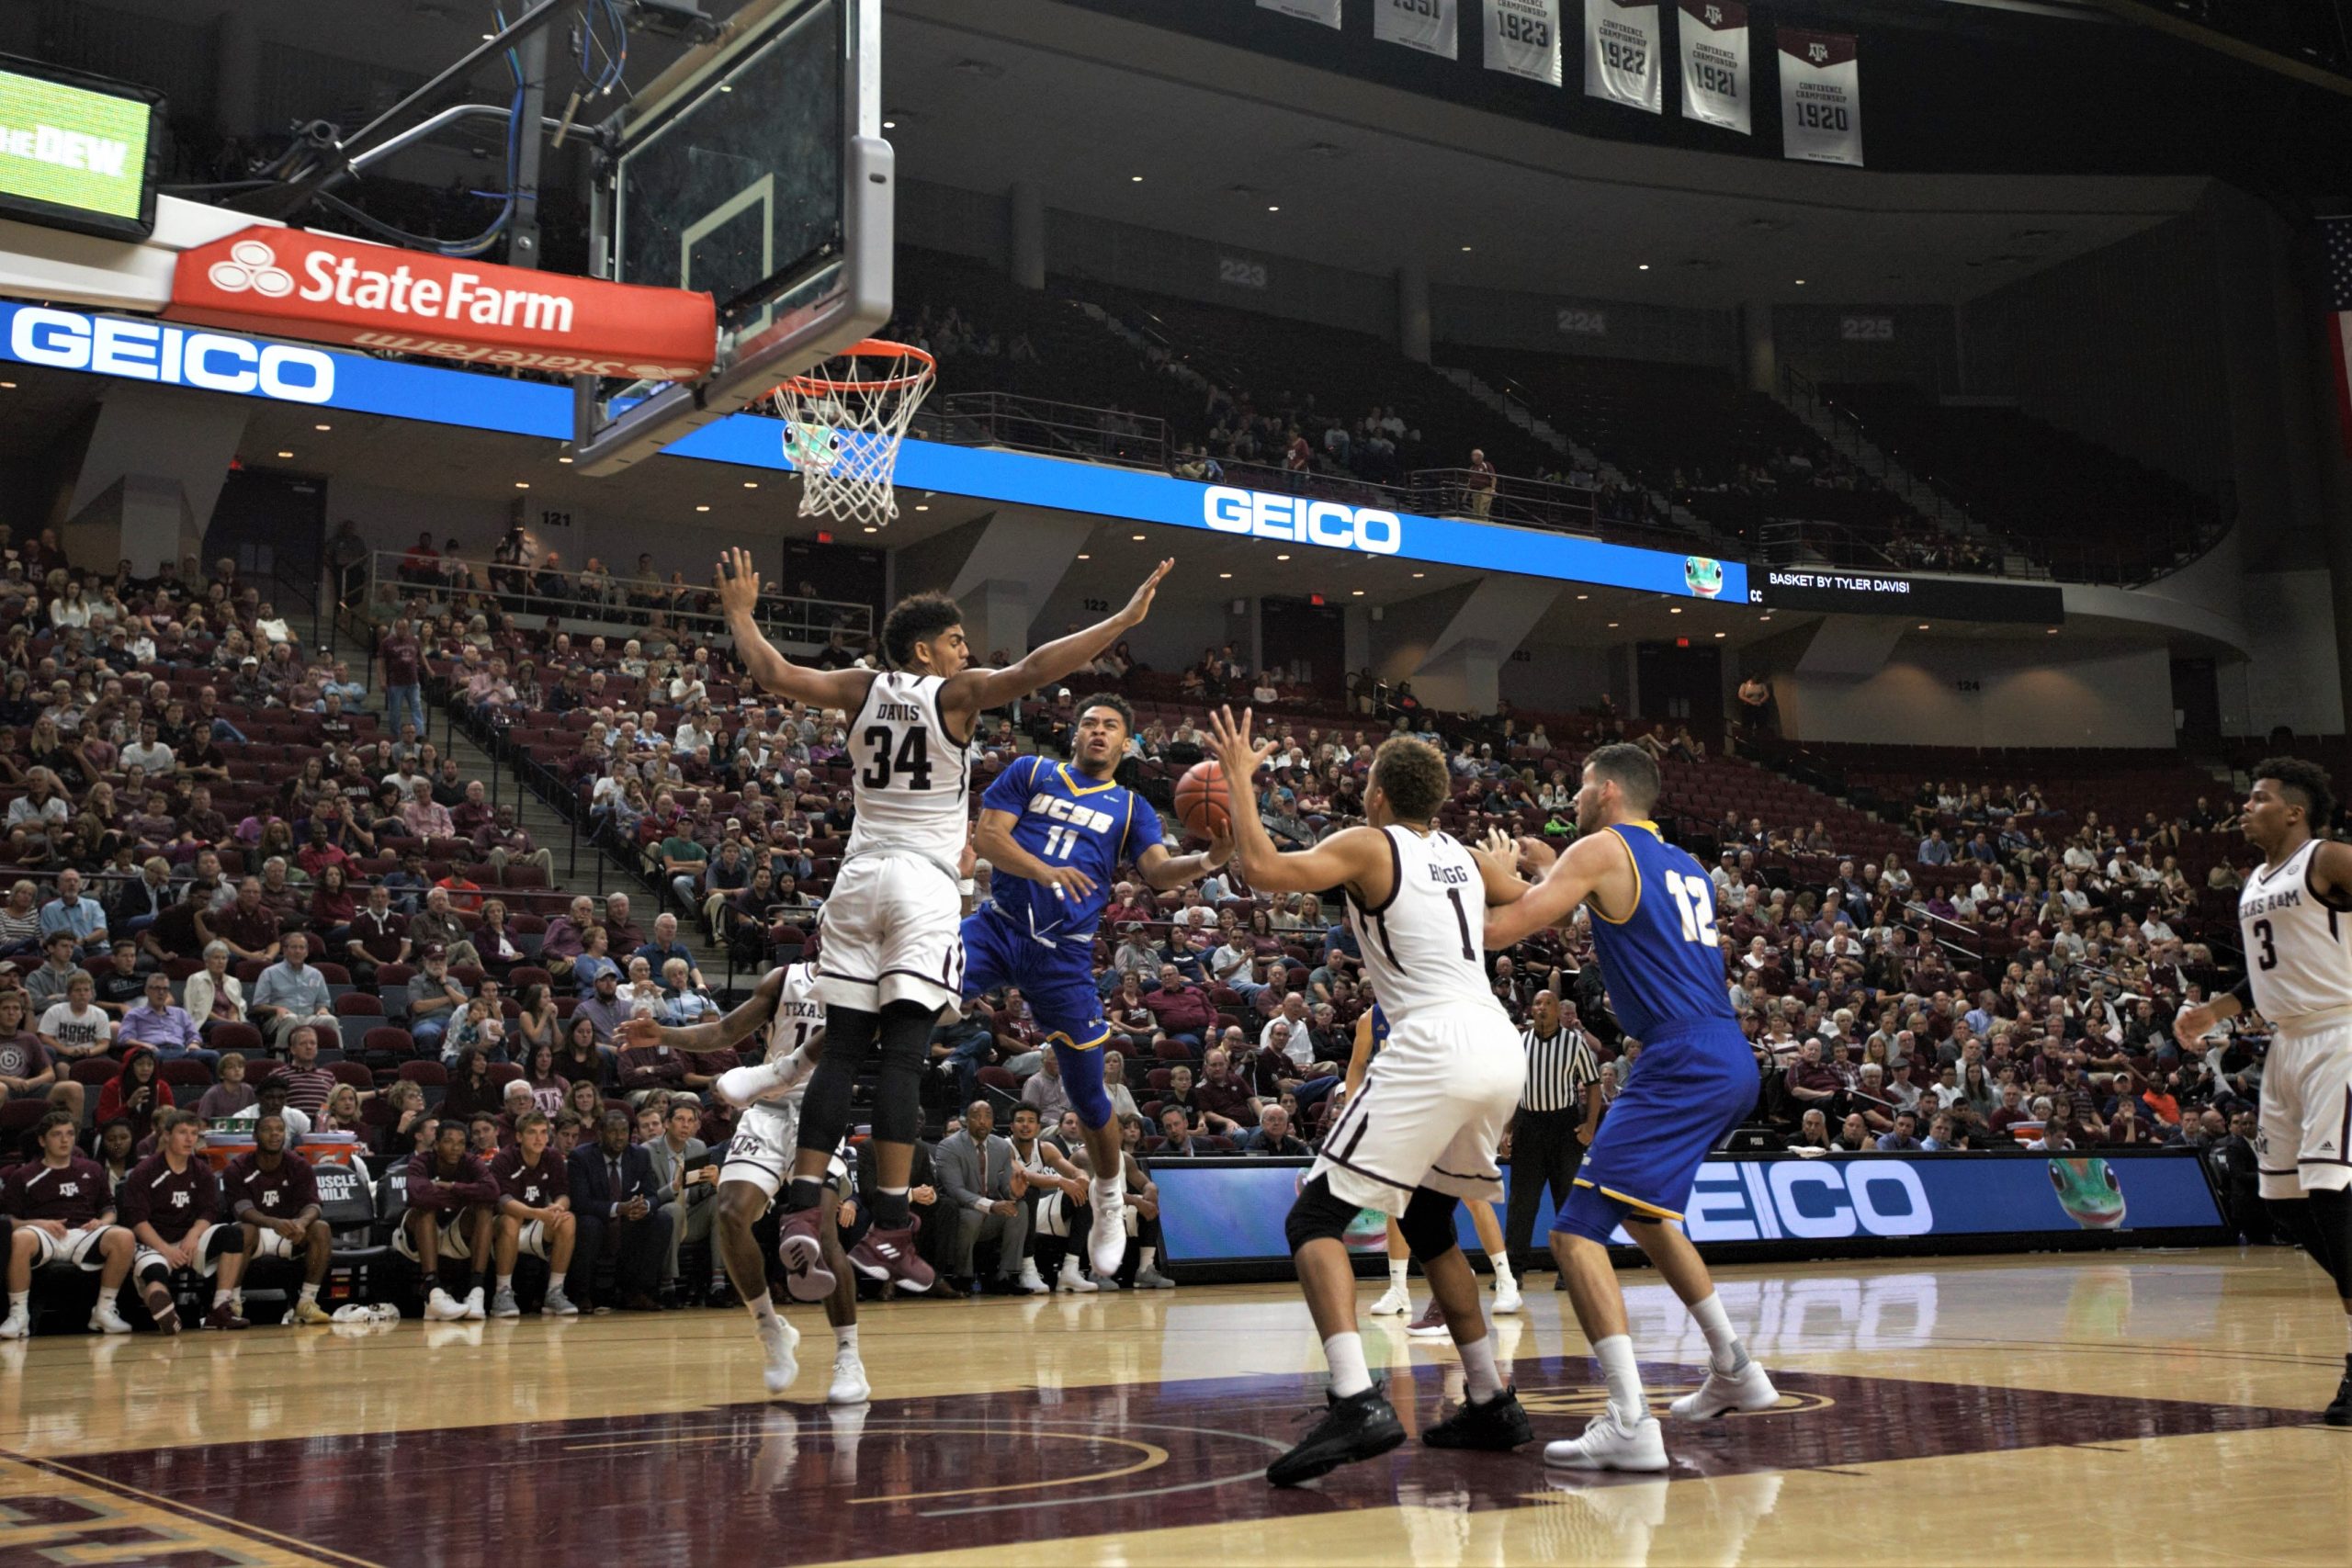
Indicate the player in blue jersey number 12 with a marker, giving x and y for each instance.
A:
(1055, 834)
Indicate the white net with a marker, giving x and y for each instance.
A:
(843, 422)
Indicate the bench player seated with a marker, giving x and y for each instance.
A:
(62, 1213)
(273, 1198)
(534, 1216)
(169, 1200)
(452, 1206)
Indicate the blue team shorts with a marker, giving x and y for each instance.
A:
(1056, 981)
(1695, 1083)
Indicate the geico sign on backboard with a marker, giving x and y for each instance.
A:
(149, 351)
(1297, 520)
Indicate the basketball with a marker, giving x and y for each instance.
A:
(1203, 802)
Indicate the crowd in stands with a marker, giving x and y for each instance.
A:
(237, 887)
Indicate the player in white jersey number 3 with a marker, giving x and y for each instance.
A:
(1423, 1133)
(893, 947)
(2295, 915)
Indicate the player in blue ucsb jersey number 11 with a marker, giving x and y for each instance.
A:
(1654, 932)
(1055, 834)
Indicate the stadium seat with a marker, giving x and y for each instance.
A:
(228, 1037)
(185, 1074)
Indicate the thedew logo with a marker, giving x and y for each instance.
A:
(152, 351)
(1297, 520)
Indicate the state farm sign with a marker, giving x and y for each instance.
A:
(291, 282)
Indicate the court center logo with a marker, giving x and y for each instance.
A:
(251, 266)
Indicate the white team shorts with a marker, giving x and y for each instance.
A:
(452, 1243)
(209, 1240)
(892, 931)
(1431, 1111)
(761, 1151)
(532, 1239)
(2303, 1142)
(269, 1243)
(79, 1248)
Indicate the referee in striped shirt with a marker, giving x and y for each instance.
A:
(1558, 1110)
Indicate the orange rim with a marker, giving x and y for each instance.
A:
(808, 386)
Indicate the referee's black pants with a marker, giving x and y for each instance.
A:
(1543, 1152)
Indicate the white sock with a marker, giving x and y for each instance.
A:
(555, 1279)
(19, 1301)
(1344, 1354)
(1724, 1352)
(506, 1282)
(221, 1298)
(1480, 1380)
(1624, 1380)
(310, 1292)
(762, 1309)
(1145, 1255)
(1399, 1269)
(1504, 1278)
(845, 1338)
(1107, 1188)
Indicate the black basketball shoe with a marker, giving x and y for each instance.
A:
(1360, 1427)
(2339, 1413)
(1496, 1426)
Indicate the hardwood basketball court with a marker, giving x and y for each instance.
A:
(2158, 1407)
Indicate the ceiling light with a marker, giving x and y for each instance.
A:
(918, 507)
(1800, 283)
(1281, 557)
(487, 37)
(9, 386)
(1613, 626)
(322, 427)
(1225, 574)
(1139, 538)
(747, 484)
(1083, 556)
(727, 86)
(1581, 597)
(1645, 266)
(2051, 632)
(565, 460)
(1273, 209)
(1763, 617)
(522, 484)
(1359, 592)
(1923, 625)
(872, 529)
(1135, 179)
(286, 454)
(1676, 611)
(889, 125)
(1722, 635)
(1465, 250)
(703, 508)
(1420, 574)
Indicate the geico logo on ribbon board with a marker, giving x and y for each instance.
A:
(332, 290)
(1300, 521)
(149, 351)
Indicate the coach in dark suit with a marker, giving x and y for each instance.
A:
(622, 1227)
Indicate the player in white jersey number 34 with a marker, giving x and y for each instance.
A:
(893, 948)
(2295, 915)
(1423, 1133)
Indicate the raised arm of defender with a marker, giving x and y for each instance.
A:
(739, 598)
(967, 697)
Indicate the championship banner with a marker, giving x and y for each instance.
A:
(1324, 11)
(1430, 26)
(1821, 97)
(1523, 39)
(1620, 46)
(1716, 81)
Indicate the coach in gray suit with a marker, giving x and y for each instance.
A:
(683, 1196)
(981, 1186)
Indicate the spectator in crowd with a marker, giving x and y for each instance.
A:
(623, 1233)
(687, 1189)
(61, 1211)
(164, 1026)
(273, 1196)
(213, 996)
(292, 994)
(452, 1208)
(983, 1186)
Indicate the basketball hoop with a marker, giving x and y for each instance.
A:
(843, 422)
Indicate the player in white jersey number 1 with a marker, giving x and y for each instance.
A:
(893, 945)
(2295, 914)
(1423, 1133)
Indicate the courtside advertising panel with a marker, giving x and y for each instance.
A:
(1231, 1210)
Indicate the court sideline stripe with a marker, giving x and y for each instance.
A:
(190, 1510)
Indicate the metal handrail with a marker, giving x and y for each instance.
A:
(1056, 429)
(390, 580)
